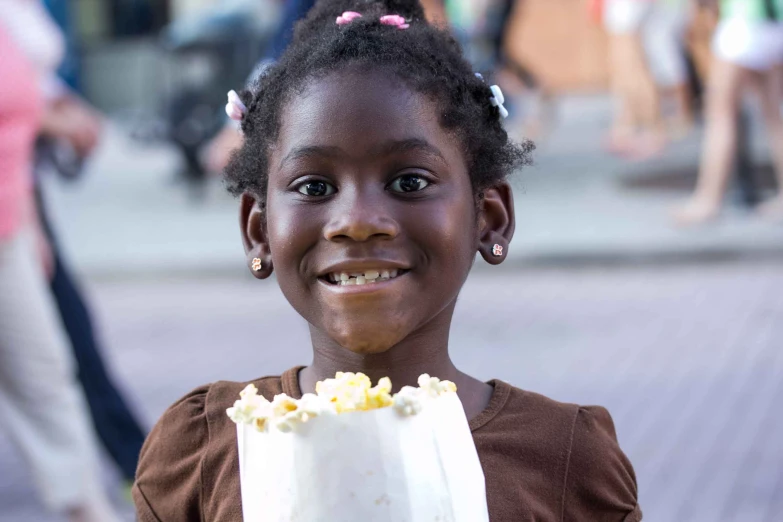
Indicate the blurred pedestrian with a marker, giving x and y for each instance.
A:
(40, 401)
(637, 130)
(665, 47)
(68, 136)
(748, 54)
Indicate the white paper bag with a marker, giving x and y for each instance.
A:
(365, 466)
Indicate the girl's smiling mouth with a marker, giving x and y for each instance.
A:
(361, 276)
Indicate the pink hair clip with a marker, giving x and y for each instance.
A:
(347, 17)
(235, 108)
(395, 20)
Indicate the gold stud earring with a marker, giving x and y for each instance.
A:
(257, 265)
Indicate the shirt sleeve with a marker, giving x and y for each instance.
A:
(168, 478)
(600, 481)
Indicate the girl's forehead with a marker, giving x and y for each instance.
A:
(359, 111)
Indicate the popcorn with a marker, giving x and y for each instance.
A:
(409, 400)
(310, 405)
(284, 411)
(251, 408)
(380, 396)
(434, 387)
(347, 392)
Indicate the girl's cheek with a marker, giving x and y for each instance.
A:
(293, 228)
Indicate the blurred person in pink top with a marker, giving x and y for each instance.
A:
(41, 404)
(70, 133)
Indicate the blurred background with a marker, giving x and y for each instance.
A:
(645, 274)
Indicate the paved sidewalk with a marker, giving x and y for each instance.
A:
(688, 360)
(575, 205)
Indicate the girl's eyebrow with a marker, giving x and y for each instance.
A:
(385, 149)
(312, 151)
(410, 145)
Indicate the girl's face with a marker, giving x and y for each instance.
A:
(363, 181)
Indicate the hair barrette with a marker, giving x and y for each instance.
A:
(497, 100)
(347, 17)
(395, 21)
(235, 109)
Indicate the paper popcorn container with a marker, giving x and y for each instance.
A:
(376, 465)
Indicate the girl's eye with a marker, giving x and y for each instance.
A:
(409, 183)
(316, 189)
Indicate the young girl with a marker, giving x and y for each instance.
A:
(373, 169)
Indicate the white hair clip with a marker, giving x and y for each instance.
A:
(497, 100)
(235, 108)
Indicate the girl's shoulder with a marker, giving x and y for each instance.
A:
(548, 426)
(511, 407)
(200, 408)
(192, 446)
(574, 447)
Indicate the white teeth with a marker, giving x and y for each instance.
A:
(359, 278)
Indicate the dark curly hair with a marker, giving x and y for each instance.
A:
(426, 58)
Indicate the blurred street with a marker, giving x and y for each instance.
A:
(688, 361)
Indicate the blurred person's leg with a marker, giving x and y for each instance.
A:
(636, 129)
(646, 101)
(118, 429)
(724, 92)
(771, 96)
(41, 405)
(664, 42)
(743, 49)
(623, 124)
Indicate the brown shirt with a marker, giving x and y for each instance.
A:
(543, 460)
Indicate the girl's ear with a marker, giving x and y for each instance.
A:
(496, 223)
(254, 237)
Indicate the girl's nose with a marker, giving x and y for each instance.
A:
(361, 218)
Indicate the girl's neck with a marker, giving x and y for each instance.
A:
(403, 363)
(424, 352)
